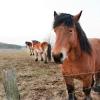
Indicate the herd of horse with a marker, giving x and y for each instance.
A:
(78, 55)
(40, 50)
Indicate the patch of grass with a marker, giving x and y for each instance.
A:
(41, 72)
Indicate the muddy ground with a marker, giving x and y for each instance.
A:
(36, 80)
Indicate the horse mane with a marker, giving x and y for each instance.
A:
(67, 20)
(84, 42)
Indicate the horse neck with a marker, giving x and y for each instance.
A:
(75, 52)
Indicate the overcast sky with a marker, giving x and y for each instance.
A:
(26, 20)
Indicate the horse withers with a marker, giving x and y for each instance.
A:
(79, 56)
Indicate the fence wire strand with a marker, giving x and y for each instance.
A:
(75, 91)
(93, 73)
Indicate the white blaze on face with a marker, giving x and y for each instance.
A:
(64, 53)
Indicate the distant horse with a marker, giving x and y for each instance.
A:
(34, 42)
(29, 45)
(78, 55)
(42, 50)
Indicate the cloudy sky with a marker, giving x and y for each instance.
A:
(26, 20)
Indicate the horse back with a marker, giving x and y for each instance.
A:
(96, 51)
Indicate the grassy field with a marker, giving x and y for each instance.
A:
(36, 80)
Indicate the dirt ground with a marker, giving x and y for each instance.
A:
(36, 80)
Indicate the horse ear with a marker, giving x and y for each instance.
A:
(55, 14)
(77, 17)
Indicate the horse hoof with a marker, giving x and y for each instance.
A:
(45, 62)
(36, 59)
(96, 88)
(42, 59)
(88, 98)
(72, 98)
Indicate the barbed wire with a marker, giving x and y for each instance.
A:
(75, 91)
(83, 73)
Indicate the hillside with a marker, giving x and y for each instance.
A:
(9, 46)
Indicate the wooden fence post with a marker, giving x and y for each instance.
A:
(10, 85)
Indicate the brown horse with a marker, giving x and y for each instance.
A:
(29, 45)
(34, 42)
(79, 56)
(42, 50)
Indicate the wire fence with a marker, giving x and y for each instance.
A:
(79, 74)
(93, 73)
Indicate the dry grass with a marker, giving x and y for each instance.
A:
(36, 80)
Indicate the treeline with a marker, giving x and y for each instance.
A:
(9, 46)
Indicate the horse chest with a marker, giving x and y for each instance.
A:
(75, 68)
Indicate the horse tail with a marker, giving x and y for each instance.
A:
(49, 52)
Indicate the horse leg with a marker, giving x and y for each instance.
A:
(30, 52)
(45, 57)
(41, 57)
(87, 82)
(96, 87)
(70, 88)
(36, 56)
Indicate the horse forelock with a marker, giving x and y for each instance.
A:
(63, 18)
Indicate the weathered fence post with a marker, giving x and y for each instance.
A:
(10, 85)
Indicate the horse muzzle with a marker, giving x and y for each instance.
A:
(58, 58)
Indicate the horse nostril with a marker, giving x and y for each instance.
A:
(61, 55)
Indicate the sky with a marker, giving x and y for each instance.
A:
(26, 20)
